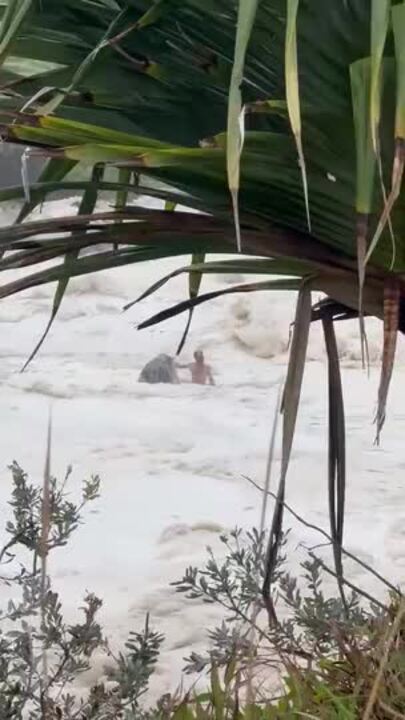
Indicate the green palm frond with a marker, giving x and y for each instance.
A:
(143, 88)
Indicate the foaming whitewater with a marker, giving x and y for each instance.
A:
(173, 458)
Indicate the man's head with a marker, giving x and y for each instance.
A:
(199, 356)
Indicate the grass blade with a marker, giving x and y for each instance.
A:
(293, 94)
(337, 451)
(217, 694)
(392, 298)
(289, 408)
(392, 635)
(246, 16)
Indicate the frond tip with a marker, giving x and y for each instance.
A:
(392, 297)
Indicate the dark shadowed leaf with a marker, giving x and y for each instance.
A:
(290, 403)
(181, 307)
(337, 450)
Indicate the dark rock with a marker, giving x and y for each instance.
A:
(159, 370)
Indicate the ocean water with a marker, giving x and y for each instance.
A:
(173, 458)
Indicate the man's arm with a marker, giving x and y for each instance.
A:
(210, 376)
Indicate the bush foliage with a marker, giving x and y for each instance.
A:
(316, 656)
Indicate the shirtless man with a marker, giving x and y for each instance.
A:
(200, 372)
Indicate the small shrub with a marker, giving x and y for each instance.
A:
(335, 658)
(41, 655)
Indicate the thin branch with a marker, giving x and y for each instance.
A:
(390, 711)
(349, 584)
(319, 530)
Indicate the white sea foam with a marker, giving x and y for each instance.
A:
(172, 458)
